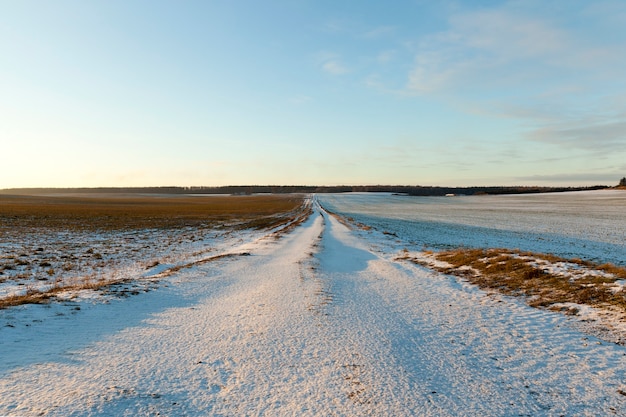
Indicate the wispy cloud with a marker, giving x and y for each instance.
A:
(334, 67)
(300, 99)
(379, 32)
(334, 25)
(492, 49)
(479, 45)
(386, 56)
(331, 63)
(563, 84)
(594, 137)
(573, 177)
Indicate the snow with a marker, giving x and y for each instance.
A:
(320, 322)
(588, 225)
(110, 255)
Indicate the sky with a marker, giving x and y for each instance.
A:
(312, 92)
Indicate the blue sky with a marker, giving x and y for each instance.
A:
(142, 93)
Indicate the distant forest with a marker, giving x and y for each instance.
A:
(284, 189)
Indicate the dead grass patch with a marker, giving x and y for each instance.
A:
(43, 296)
(174, 269)
(533, 275)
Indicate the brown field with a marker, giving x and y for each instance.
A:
(118, 212)
(52, 244)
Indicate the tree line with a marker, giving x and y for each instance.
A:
(416, 190)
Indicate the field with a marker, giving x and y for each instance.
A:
(367, 308)
(564, 252)
(51, 244)
(133, 212)
(588, 225)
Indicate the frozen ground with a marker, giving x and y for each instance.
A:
(43, 258)
(320, 322)
(590, 225)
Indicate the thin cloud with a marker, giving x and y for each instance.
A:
(331, 63)
(300, 99)
(435, 71)
(507, 35)
(481, 45)
(604, 178)
(510, 63)
(610, 135)
(386, 56)
(334, 67)
(379, 32)
(612, 11)
(336, 26)
(504, 48)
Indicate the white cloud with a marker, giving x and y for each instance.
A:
(507, 35)
(560, 80)
(592, 136)
(331, 63)
(435, 71)
(386, 56)
(506, 46)
(334, 67)
(480, 48)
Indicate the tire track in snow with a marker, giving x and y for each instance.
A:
(433, 346)
(250, 346)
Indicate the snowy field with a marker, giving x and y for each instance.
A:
(325, 321)
(589, 225)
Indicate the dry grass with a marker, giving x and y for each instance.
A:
(527, 274)
(295, 220)
(174, 269)
(43, 296)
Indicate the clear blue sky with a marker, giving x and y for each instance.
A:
(142, 93)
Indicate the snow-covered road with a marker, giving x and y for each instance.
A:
(317, 323)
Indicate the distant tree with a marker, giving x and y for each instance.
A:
(622, 182)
